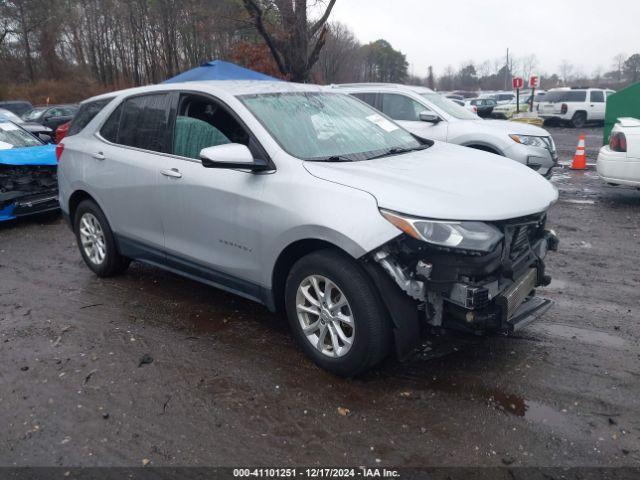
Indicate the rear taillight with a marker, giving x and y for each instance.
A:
(475, 109)
(564, 108)
(59, 150)
(618, 142)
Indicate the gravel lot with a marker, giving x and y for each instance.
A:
(152, 366)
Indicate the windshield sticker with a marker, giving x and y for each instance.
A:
(8, 127)
(382, 122)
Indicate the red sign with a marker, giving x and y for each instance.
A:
(518, 83)
(534, 81)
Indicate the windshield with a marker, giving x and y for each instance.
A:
(34, 113)
(566, 96)
(449, 107)
(9, 115)
(13, 136)
(327, 126)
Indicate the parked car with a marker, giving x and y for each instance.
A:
(28, 182)
(62, 131)
(619, 162)
(312, 203)
(464, 104)
(483, 106)
(430, 115)
(508, 110)
(52, 116)
(575, 107)
(19, 107)
(499, 97)
(43, 133)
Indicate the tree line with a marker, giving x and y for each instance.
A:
(83, 46)
(70, 49)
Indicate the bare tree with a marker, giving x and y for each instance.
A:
(566, 70)
(618, 65)
(293, 40)
(340, 59)
(528, 65)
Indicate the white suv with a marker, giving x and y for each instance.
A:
(428, 114)
(574, 106)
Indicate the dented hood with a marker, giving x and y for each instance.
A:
(446, 182)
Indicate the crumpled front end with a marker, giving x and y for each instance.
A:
(472, 291)
(28, 182)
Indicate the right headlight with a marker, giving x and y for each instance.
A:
(529, 140)
(477, 236)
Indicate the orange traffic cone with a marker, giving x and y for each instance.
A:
(580, 158)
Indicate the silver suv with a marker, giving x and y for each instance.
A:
(312, 203)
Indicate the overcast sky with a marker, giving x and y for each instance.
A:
(586, 33)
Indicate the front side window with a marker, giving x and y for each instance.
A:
(142, 123)
(369, 98)
(86, 113)
(597, 96)
(202, 122)
(400, 107)
(327, 126)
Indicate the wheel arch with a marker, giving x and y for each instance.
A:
(75, 199)
(287, 258)
(485, 147)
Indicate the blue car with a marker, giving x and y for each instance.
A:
(28, 180)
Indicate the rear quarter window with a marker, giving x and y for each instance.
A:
(85, 114)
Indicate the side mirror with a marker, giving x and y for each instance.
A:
(429, 117)
(230, 155)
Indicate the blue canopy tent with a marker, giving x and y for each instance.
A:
(219, 70)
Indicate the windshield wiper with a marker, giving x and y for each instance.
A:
(397, 151)
(333, 159)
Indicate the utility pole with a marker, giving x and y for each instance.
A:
(506, 72)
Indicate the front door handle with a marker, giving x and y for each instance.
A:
(172, 172)
(98, 156)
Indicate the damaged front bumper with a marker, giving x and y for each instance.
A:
(461, 290)
(27, 190)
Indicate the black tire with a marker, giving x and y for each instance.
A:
(113, 263)
(579, 120)
(372, 334)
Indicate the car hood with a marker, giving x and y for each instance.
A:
(40, 155)
(507, 128)
(446, 182)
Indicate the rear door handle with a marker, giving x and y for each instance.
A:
(98, 156)
(173, 173)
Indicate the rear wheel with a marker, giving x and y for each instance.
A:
(96, 242)
(335, 313)
(579, 120)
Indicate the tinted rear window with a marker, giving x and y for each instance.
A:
(85, 114)
(566, 96)
(145, 122)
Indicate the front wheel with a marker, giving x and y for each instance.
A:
(335, 313)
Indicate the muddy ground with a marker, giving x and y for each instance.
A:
(227, 386)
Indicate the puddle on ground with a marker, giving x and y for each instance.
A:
(592, 337)
(510, 403)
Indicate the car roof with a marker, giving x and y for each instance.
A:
(385, 86)
(230, 87)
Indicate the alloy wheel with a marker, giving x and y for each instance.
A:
(325, 316)
(92, 238)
